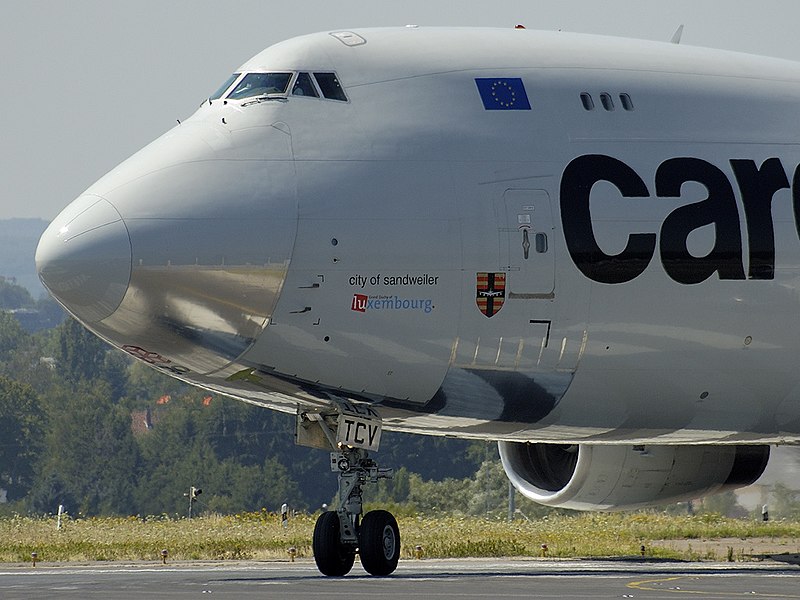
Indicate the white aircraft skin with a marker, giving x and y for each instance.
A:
(626, 211)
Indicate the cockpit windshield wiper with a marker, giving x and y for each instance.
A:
(264, 98)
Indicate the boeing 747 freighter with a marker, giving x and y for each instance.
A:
(585, 248)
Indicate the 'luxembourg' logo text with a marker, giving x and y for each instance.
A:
(363, 303)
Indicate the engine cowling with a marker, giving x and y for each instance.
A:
(610, 477)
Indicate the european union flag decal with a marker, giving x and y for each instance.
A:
(503, 93)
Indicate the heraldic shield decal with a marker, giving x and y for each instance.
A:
(491, 292)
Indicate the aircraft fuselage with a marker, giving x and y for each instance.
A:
(507, 235)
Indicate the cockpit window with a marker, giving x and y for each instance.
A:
(330, 86)
(224, 87)
(260, 84)
(303, 86)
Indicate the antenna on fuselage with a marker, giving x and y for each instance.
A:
(676, 37)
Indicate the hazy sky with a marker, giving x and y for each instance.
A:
(88, 82)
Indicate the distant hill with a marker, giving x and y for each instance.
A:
(18, 240)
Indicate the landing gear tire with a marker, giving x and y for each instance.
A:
(333, 558)
(379, 543)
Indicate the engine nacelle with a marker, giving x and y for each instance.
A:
(605, 477)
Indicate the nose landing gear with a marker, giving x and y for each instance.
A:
(340, 534)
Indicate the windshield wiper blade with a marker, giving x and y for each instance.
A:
(264, 98)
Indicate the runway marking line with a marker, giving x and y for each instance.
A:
(644, 586)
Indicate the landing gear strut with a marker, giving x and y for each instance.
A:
(339, 534)
(351, 431)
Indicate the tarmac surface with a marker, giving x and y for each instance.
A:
(438, 579)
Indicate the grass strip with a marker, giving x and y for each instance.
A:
(260, 536)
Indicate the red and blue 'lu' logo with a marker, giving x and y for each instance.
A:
(503, 93)
(490, 292)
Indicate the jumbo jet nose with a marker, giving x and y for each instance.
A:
(84, 258)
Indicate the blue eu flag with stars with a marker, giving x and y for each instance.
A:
(502, 93)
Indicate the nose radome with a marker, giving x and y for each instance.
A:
(84, 258)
